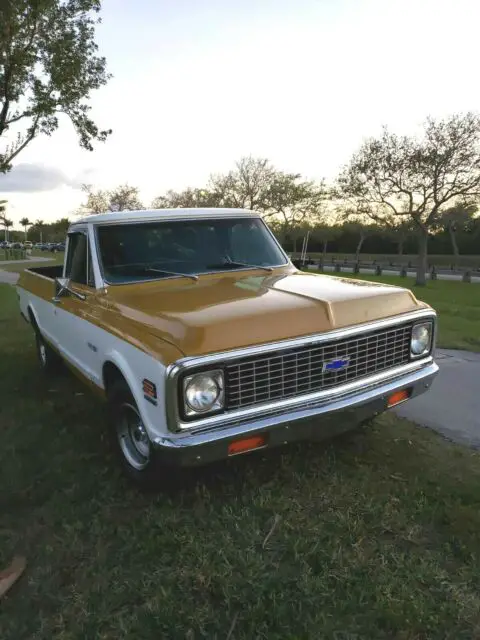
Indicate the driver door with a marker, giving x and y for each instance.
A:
(77, 318)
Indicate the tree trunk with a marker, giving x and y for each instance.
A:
(325, 245)
(453, 238)
(400, 246)
(359, 248)
(422, 265)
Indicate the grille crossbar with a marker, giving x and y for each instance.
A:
(295, 371)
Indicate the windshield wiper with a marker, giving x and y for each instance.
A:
(234, 263)
(173, 273)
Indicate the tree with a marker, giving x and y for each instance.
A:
(457, 218)
(97, 201)
(25, 222)
(122, 198)
(401, 176)
(37, 229)
(247, 186)
(6, 225)
(361, 230)
(48, 69)
(189, 198)
(325, 233)
(257, 185)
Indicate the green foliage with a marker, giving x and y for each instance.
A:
(188, 198)
(122, 198)
(397, 177)
(457, 218)
(255, 184)
(48, 68)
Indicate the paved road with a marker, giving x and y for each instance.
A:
(8, 277)
(452, 405)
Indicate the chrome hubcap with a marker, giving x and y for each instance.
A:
(132, 437)
(43, 353)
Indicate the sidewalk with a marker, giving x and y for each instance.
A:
(8, 277)
(452, 405)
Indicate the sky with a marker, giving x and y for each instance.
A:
(197, 84)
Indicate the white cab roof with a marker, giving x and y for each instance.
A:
(151, 215)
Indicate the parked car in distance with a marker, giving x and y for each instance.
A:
(207, 342)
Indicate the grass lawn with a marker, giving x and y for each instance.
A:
(457, 305)
(373, 535)
(55, 258)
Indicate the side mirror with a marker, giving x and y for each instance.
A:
(63, 289)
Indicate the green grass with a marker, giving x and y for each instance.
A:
(55, 258)
(456, 303)
(373, 535)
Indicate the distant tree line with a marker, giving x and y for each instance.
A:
(398, 194)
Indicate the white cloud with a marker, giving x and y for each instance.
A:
(34, 177)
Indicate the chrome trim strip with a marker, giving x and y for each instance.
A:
(40, 275)
(175, 370)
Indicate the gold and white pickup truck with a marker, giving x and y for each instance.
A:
(207, 342)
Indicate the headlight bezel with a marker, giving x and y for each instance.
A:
(186, 410)
(429, 324)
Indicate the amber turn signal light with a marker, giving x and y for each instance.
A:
(248, 444)
(398, 397)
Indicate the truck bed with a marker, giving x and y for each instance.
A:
(51, 271)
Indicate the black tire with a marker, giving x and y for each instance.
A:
(50, 362)
(129, 438)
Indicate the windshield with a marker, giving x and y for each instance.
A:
(149, 251)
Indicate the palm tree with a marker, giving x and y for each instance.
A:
(3, 214)
(25, 222)
(40, 224)
(7, 224)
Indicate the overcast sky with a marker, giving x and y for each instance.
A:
(199, 83)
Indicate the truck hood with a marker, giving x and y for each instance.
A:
(222, 312)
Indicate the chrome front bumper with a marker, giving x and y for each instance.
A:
(314, 420)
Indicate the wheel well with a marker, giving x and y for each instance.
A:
(111, 373)
(31, 316)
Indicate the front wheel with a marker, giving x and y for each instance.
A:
(49, 361)
(130, 438)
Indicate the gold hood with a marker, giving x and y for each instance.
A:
(226, 311)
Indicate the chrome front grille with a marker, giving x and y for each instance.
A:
(295, 371)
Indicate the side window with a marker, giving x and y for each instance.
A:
(79, 263)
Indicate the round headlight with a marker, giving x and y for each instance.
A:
(421, 335)
(201, 393)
